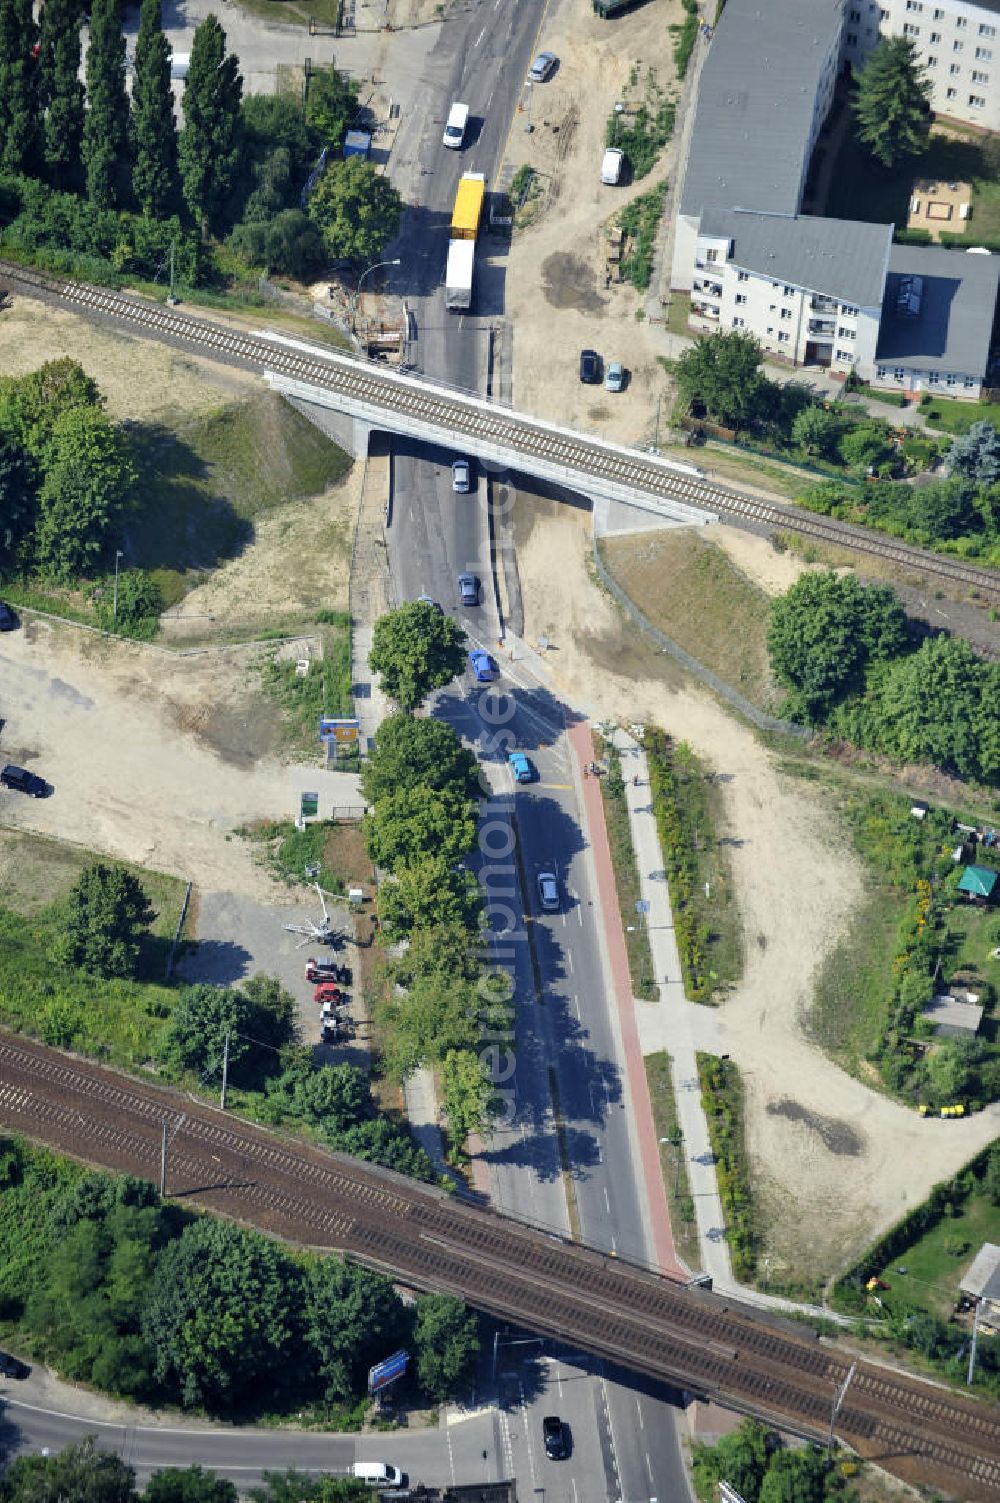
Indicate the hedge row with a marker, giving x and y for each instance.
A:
(722, 1102)
(678, 857)
(848, 1292)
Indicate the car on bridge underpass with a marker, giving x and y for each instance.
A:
(555, 1436)
(483, 666)
(522, 768)
(461, 476)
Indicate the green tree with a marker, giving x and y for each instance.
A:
(62, 97)
(991, 1181)
(289, 243)
(741, 1459)
(223, 1315)
(17, 500)
(331, 103)
(19, 88)
(723, 371)
(864, 444)
(824, 631)
(357, 209)
(468, 1094)
(192, 1484)
(975, 455)
(446, 1340)
(201, 1019)
(420, 821)
(795, 1477)
(78, 1474)
(353, 1319)
(436, 1015)
(385, 1142)
(892, 104)
(446, 950)
(333, 1097)
(416, 649)
(139, 605)
(817, 431)
(31, 405)
(272, 1024)
(106, 125)
(411, 753)
(155, 179)
(426, 894)
(305, 1487)
(87, 485)
(106, 917)
(211, 142)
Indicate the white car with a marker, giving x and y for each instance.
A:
(548, 891)
(611, 166)
(461, 476)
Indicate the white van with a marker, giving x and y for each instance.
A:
(378, 1473)
(454, 131)
(611, 166)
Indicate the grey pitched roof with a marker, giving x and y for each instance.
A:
(983, 1278)
(840, 258)
(755, 104)
(952, 330)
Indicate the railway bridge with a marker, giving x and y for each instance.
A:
(693, 1340)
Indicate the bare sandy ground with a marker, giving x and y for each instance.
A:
(835, 1162)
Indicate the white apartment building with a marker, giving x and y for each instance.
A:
(957, 41)
(809, 289)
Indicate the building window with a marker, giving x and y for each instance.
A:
(786, 312)
(846, 355)
(741, 297)
(977, 102)
(789, 292)
(951, 379)
(784, 338)
(880, 373)
(933, 379)
(914, 5)
(987, 31)
(843, 333)
(935, 36)
(712, 255)
(958, 46)
(960, 23)
(883, 15)
(899, 374)
(910, 31)
(851, 38)
(954, 69)
(949, 94)
(738, 323)
(984, 54)
(847, 311)
(969, 382)
(938, 14)
(980, 77)
(742, 276)
(770, 331)
(932, 62)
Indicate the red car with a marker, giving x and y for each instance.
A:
(320, 970)
(326, 992)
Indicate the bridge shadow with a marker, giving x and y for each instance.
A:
(422, 246)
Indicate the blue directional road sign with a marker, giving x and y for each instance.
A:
(384, 1373)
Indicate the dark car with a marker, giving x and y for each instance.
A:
(468, 589)
(23, 781)
(10, 1367)
(555, 1438)
(590, 367)
(8, 620)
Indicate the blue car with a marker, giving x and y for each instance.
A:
(521, 767)
(483, 666)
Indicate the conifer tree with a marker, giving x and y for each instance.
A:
(893, 102)
(61, 92)
(106, 126)
(155, 182)
(19, 136)
(211, 141)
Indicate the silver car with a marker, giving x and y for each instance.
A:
(461, 476)
(614, 376)
(548, 891)
(542, 67)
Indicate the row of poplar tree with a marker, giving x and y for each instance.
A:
(122, 152)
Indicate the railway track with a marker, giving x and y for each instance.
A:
(473, 419)
(430, 1240)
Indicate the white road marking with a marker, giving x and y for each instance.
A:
(576, 1006)
(638, 1411)
(479, 38)
(607, 1200)
(569, 961)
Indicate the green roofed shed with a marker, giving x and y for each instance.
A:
(978, 881)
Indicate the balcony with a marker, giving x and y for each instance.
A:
(823, 326)
(823, 305)
(708, 289)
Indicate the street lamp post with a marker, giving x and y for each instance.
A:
(377, 266)
(118, 555)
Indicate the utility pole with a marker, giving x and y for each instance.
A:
(838, 1400)
(975, 1337)
(172, 298)
(225, 1068)
(118, 555)
(163, 1162)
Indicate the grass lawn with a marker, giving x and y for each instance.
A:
(294, 12)
(640, 959)
(117, 1020)
(862, 190)
(673, 1160)
(201, 484)
(692, 591)
(934, 1266)
(958, 417)
(326, 688)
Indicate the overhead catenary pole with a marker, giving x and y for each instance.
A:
(163, 1162)
(225, 1068)
(838, 1400)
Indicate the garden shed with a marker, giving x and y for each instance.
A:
(982, 1282)
(979, 882)
(955, 1015)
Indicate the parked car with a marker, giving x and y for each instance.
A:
(10, 1367)
(614, 376)
(429, 600)
(521, 767)
(8, 618)
(327, 992)
(548, 891)
(322, 970)
(555, 1438)
(23, 781)
(612, 166)
(468, 589)
(483, 666)
(542, 67)
(590, 367)
(461, 476)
